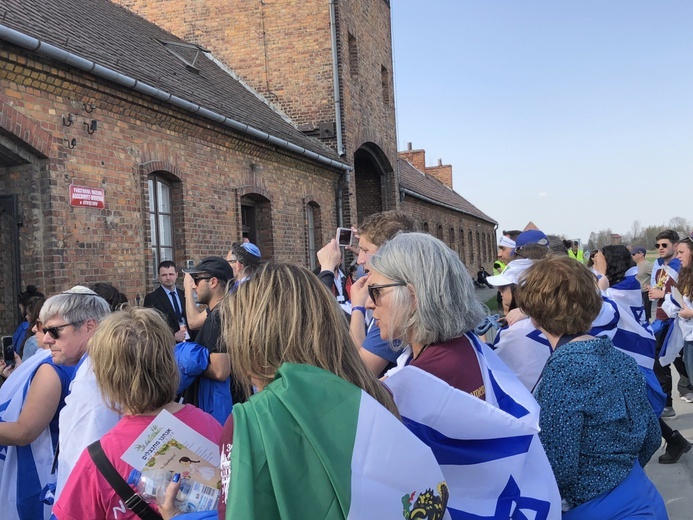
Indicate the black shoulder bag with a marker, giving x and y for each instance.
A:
(132, 500)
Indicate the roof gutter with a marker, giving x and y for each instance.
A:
(412, 193)
(50, 51)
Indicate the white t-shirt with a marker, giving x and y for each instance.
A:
(84, 419)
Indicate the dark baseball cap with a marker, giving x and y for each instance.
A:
(215, 266)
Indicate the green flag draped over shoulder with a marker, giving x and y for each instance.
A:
(312, 446)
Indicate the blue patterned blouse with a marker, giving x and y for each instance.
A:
(595, 418)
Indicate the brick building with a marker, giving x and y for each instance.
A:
(426, 193)
(121, 145)
(328, 65)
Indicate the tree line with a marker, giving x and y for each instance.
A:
(638, 235)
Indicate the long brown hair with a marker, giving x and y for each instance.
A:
(685, 283)
(283, 313)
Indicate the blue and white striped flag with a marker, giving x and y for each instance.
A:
(24, 470)
(628, 335)
(489, 451)
(622, 320)
(524, 349)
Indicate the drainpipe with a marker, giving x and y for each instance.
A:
(346, 180)
(335, 80)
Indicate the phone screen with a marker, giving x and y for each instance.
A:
(8, 350)
(344, 236)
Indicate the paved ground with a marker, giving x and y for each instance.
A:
(674, 481)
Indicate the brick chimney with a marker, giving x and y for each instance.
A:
(442, 172)
(416, 157)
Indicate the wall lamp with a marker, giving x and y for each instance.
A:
(91, 127)
(89, 107)
(70, 120)
(71, 143)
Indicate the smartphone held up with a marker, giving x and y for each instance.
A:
(344, 236)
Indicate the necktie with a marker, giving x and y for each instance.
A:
(176, 307)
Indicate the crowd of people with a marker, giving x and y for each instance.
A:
(366, 395)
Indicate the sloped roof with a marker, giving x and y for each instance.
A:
(417, 182)
(112, 36)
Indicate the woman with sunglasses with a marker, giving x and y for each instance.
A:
(31, 400)
(453, 390)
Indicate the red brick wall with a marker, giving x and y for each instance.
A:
(211, 166)
(436, 217)
(283, 49)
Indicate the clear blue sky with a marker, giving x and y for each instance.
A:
(576, 115)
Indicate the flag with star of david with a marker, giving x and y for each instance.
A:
(489, 450)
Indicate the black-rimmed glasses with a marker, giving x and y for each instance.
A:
(663, 245)
(374, 290)
(198, 279)
(54, 332)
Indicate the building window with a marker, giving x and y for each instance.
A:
(471, 248)
(452, 239)
(462, 250)
(440, 233)
(478, 247)
(385, 82)
(425, 227)
(313, 226)
(160, 220)
(353, 57)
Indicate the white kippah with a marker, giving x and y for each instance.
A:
(80, 289)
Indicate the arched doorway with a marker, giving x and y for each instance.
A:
(373, 176)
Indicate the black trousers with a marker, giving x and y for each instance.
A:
(647, 304)
(664, 373)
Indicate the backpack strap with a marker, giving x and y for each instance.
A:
(133, 501)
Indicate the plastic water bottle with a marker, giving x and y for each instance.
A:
(191, 497)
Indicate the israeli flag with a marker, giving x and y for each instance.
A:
(489, 451)
(25, 471)
(619, 323)
(524, 349)
(628, 295)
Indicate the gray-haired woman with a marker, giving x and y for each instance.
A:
(452, 391)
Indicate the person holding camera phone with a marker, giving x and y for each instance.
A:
(375, 230)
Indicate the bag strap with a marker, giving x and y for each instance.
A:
(133, 501)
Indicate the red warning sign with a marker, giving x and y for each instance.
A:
(87, 197)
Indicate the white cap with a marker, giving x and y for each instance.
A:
(512, 273)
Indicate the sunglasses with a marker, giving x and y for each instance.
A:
(198, 279)
(53, 332)
(374, 290)
(661, 246)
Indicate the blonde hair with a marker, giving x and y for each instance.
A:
(132, 354)
(283, 313)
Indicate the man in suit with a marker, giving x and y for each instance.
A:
(169, 300)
